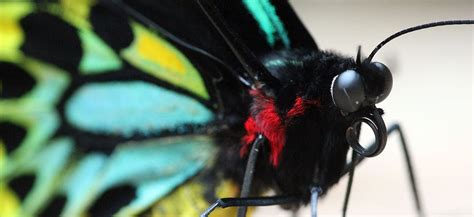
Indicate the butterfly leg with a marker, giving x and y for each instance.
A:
(244, 200)
(315, 192)
(356, 159)
(250, 201)
(249, 170)
(351, 169)
(396, 128)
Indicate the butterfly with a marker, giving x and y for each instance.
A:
(150, 108)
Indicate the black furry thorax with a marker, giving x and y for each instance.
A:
(314, 150)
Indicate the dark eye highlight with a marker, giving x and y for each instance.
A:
(347, 91)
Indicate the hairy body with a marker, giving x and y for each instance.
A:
(305, 143)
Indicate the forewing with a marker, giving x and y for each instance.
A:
(263, 25)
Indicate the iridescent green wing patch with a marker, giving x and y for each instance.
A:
(98, 57)
(34, 110)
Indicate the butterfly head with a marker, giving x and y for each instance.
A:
(368, 84)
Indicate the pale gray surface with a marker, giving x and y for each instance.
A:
(431, 98)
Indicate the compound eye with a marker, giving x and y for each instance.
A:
(379, 82)
(347, 91)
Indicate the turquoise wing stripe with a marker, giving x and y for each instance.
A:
(78, 185)
(133, 107)
(265, 14)
(155, 167)
(48, 166)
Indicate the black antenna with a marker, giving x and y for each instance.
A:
(247, 59)
(415, 28)
(144, 20)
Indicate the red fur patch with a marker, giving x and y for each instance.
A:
(269, 123)
(300, 107)
(251, 129)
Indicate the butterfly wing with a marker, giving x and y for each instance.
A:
(263, 26)
(100, 112)
(91, 127)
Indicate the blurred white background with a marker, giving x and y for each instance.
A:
(431, 98)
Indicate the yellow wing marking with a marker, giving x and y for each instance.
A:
(159, 58)
(10, 205)
(11, 34)
(188, 200)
